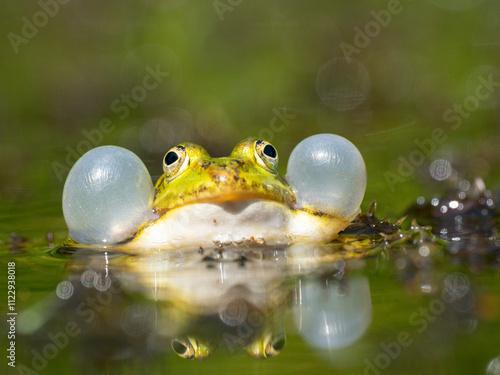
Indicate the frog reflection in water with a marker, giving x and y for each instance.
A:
(109, 200)
(147, 305)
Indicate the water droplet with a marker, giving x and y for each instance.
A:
(64, 289)
(102, 283)
(424, 251)
(440, 169)
(88, 278)
(464, 185)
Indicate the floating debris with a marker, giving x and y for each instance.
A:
(466, 218)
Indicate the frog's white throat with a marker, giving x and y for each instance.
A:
(246, 223)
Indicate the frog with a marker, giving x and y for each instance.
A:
(262, 345)
(201, 201)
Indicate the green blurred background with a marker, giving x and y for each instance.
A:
(76, 74)
(382, 74)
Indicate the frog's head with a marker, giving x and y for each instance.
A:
(265, 345)
(192, 176)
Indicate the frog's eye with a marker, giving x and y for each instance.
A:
(267, 345)
(275, 345)
(175, 162)
(190, 347)
(266, 155)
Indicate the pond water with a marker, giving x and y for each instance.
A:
(379, 300)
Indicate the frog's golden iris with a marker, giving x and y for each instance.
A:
(203, 201)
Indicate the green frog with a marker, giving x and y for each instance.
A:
(201, 201)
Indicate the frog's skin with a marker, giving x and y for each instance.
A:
(205, 201)
(240, 199)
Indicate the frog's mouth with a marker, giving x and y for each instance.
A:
(223, 183)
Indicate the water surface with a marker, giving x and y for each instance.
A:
(306, 308)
